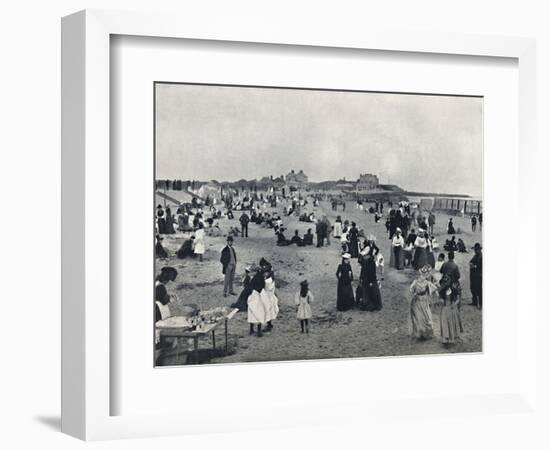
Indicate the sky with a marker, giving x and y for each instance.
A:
(422, 143)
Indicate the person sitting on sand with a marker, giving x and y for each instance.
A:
(303, 299)
(296, 239)
(186, 248)
(160, 252)
(281, 239)
(461, 246)
(308, 237)
(450, 245)
(437, 269)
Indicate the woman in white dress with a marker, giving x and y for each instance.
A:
(199, 241)
(256, 307)
(270, 300)
(302, 300)
(420, 252)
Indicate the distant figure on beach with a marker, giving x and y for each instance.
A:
(461, 246)
(397, 245)
(474, 223)
(199, 242)
(344, 299)
(476, 272)
(431, 223)
(169, 227)
(160, 252)
(161, 221)
(296, 239)
(244, 219)
(229, 264)
(308, 237)
(450, 227)
(303, 299)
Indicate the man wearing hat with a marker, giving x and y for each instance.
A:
(476, 276)
(229, 264)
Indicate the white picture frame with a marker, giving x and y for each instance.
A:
(86, 246)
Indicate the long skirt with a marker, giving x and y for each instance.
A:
(160, 252)
(396, 257)
(256, 309)
(450, 323)
(242, 301)
(420, 258)
(421, 318)
(344, 299)
(271, 305)
(431, 258)
(372, 299)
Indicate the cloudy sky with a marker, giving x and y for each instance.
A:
(419, 142)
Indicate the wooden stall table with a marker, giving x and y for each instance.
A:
(185, 332)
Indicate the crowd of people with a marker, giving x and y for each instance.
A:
(413, 246)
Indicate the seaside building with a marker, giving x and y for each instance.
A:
(297, 180)
(367, 182)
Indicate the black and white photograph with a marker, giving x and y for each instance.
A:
(297, 224)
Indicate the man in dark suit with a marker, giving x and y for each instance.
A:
(244, 219)
(229, 264)
(450, 277)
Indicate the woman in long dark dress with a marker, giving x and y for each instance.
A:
(344, 299)
(353, 236)
(242, 301)
(161, 221)
(169, 227)
(372, 300)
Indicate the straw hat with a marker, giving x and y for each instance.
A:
(346, 256)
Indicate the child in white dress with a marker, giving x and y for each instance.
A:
(303, 300)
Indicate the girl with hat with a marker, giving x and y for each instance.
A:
(302, 300)
(422, 289)
(420, 252)
(396, 255)
(344, 299)
(449, 317)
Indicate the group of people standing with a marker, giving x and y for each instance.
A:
(367, 295)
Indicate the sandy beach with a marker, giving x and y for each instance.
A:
(332, 334)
